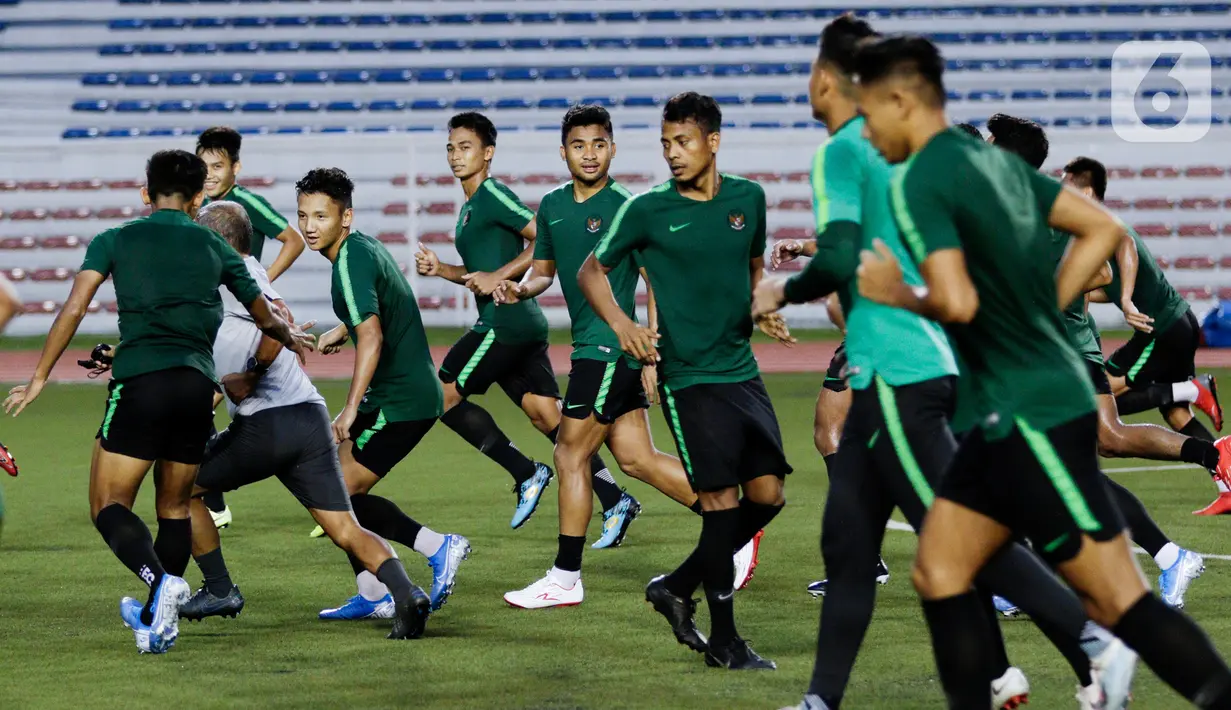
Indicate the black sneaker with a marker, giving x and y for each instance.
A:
(737, 656)
(203, 604)
(679, 613)
(818, 589)
(410, 615)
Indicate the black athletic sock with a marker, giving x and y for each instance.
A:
(696, 506)
(1143, 399)
(130, 540)
(1000, 655)
(217, 577)
(383, 517)
(568, 553)
(1197, 430)
(961, 643)
(1199, 451)
(476, 426)
(719, 529)
(393, 575)
(828, 462)
(213, 500)
(1178, 651)
(752, 519)
(1144, 530)
(174, 544)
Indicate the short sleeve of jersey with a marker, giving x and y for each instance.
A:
(235, 274)
(262, 279)
(542, 241)
(1046, 191)
(505, 208)
(357, 274)
(98, 255)
(837, 184)
(625, 235)
(924, 209)
(759, 238)
(265, 219)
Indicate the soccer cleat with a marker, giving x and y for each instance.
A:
(547, 592)
(1220, 506)
(616, 521)
(817, 589)
(678, 611)
(529, 492)
(7, 463)
(223, 519)
(746, 560)
(130, 613)
(172, 593)
(1112, 671)
(1174, 580)
(204, 603)
(444, 565)
(359, 608)
(1007, 608)
(737, 656)
(810, 702)
(1010, 690)
(410, 615)
(1207, 398)
(317, 531)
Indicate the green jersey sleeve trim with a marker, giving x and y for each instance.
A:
(897, 190)
(348, 291)
(261, 206)
(620, 190)
(513, 205)
(601, 250)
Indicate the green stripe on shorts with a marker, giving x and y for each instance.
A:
(112, 403)
(473, 362)
(901, 446)
(1141, 362)
(604, 388)
(1059, 475)
(367, 435)
(678, 431)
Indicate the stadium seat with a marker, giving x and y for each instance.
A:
(1200, 203)
(387, 105)
(216, 107)
(1197, 230)
(393, 76)
(1196, 293)
(344, 106)
(1163, 171)
(267, 77)
(1153, 203)
(436, 237)
(1153, 229)
(302, 106)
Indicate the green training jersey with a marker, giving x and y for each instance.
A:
(1152, 294)
(266, 222)
(367, 282)
(167, 270)
(850, 183)
(488, 235)
(567, 232)
(962, 193)
(697, 255)
(1078, 323)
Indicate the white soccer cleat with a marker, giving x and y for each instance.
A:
(223, 519)
(1010, 690)
(547, 592)
(1112, 672)
(746, 560)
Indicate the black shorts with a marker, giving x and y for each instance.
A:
(477, 360)
(1098, 377)
(165, 415)
(380, 444)
(1149, 358)
(608, 389)
(294, 443)
(726, 433)
(1044, 485)
(835, 376)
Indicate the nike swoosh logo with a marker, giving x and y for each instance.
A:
(678, 227)
(727, 596)
(574, 406)
(555, 221)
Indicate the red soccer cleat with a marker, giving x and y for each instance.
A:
(1220, 506)
(1207, 398)
(6, 461)
(746, 560)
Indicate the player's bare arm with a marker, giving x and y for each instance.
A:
(833, 306)
(948, 297)
(539, 278)
(771, 324)
(482, 283)
(332, 341)
(639, 342)
(63, 328)
(368, 340)
(1126, 259)
(292, 246)
(240, 385)
(276, 327)
(649, 373)
(1096, 234)
(791, 249)
(835, 256)
(427, 263)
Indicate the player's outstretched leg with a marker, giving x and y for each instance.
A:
(218, 595)
(1179, 567)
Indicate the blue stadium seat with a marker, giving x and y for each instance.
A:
(766, 124)
(602, 72)
(199, 48)
(1116, 36)
(387, 105)
(429, 105)
(71, 133)
(777, 40)
(664, 16)
(520, 74)
(420, 129)
(347, 106)
(948, 37)
(512, 103)
(471, 104)
(351, 76)
(803, 98)
(729, 100)
(645, 71)
(579, 18)
(476, 74)
(570, 43)
(455, 19)
(309, 77)
(380, 129)
(134, 106)
(1072, 95)
(374, 20)
(363, 46)
(1125, 9)
(331, 21)
(405, 45)
(737, 42)
(292, 130)
(166, 23)
(240, 47)
(92, 105)
(267, 77)
(1030, 64)
(337, 129)
(142, 79)
(681, 71)
(537, 18)
(621, 16)
(775, 69)
(394, 76)
(987, 37)
(1158, 35)
(184, 78)
(528, 43)
(126, 24)
(1074, 36)
(770, 100)
(216, 107)
(1030, 95)
(950, 95)
(704, 15)
(281, 46)
(412, 19)
(641, 101)
(604, 101)
(496, 18)
(1104, 121)
(208, 23)
(985, 95)
(172, 132)
(560, 73)
(252, 130)
(291, 21)
(244, 22)
(121, 133)
(302, 106)
(611, 42)
(652, 43)
(1030, 37)
(1104, 94)
(117, 50)
(323, 46)
(488, 44)
(225, 78)
(259, 106)
(790, 14)
(747, 14)
(555, 102)
(446, 45)
(694, 42)
(732, 69)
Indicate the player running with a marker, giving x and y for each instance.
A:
(508, 345)
(701, 239)
(1029, 466)
(166, 271)
(606, 400)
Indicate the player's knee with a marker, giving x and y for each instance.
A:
(451, 396)
(934, 579)
(571, 459)
(1111, 441)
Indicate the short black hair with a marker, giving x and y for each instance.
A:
(174, 172)
(585, 115)
(698, 108)
(477, 122)
(220, 138)
(1088, 172)
(903, 55)
(333, 182)
(970, 130)
(1020, 136)
(840, 40)
(230, 220)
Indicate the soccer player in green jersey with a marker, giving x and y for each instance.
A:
(166, 270)
(507, 345)
(977, 222)
(394, 397)
(701, 238)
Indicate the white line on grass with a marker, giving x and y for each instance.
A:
(1138, 469)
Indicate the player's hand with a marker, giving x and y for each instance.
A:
(240, 385)
(279, 306)
(1136, 318)
(649, 382)
(768, 297)
(342, 424)
(332, 342)
(426, 261)
(638, 341)
(482, 283)
(774, 325)
(785, 251)
(301, 343)
(880, 275)
(21, 396)
(507, 293)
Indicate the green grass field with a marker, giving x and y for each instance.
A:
(64, 645)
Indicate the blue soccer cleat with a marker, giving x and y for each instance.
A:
(359, 608)
(444, 565)
(529, 492)
(130, 613)
(172, 593)
(616, 521)
(1174, 580)
(1007, 608)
